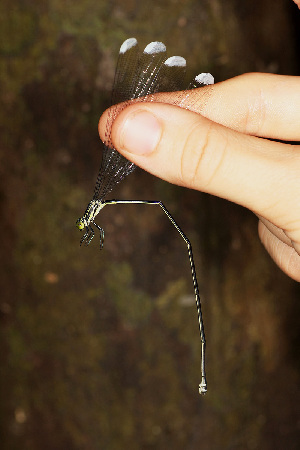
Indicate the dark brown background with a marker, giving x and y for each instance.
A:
(101, 350)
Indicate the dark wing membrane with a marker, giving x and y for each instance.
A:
(150, 64)
(172, 75)
(136, 76)
(126, 72)
(114, 167)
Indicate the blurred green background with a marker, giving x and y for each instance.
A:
(100, 350)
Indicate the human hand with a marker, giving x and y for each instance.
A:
(222, 151)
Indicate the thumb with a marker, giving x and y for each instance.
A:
(187, 149)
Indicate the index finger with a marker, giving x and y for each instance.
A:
(186, 149)
(264, 105)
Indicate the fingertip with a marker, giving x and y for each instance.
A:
(138, 133)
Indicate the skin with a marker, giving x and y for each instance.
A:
(222, 143)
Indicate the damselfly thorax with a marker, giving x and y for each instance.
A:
(87, 220)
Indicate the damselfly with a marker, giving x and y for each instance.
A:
(137, 77)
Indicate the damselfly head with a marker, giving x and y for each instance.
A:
(80, 224)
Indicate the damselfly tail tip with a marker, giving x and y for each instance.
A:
(127, 45)
(203, 387)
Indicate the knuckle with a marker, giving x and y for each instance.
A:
(255, 109)
(258, 114)
(202, 155)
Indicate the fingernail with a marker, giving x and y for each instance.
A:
(141, 133)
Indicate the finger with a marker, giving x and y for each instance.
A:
(277, 232)
(297, 3)
(187, 149)
(265, 105)
(283, 254)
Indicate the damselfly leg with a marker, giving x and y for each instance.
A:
(101, 235)
(88, 236)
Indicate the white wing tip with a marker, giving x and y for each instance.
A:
(178, 61)
(155, 47)
(205, 78)
(128, 44)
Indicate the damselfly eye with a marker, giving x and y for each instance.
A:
(79, 224)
